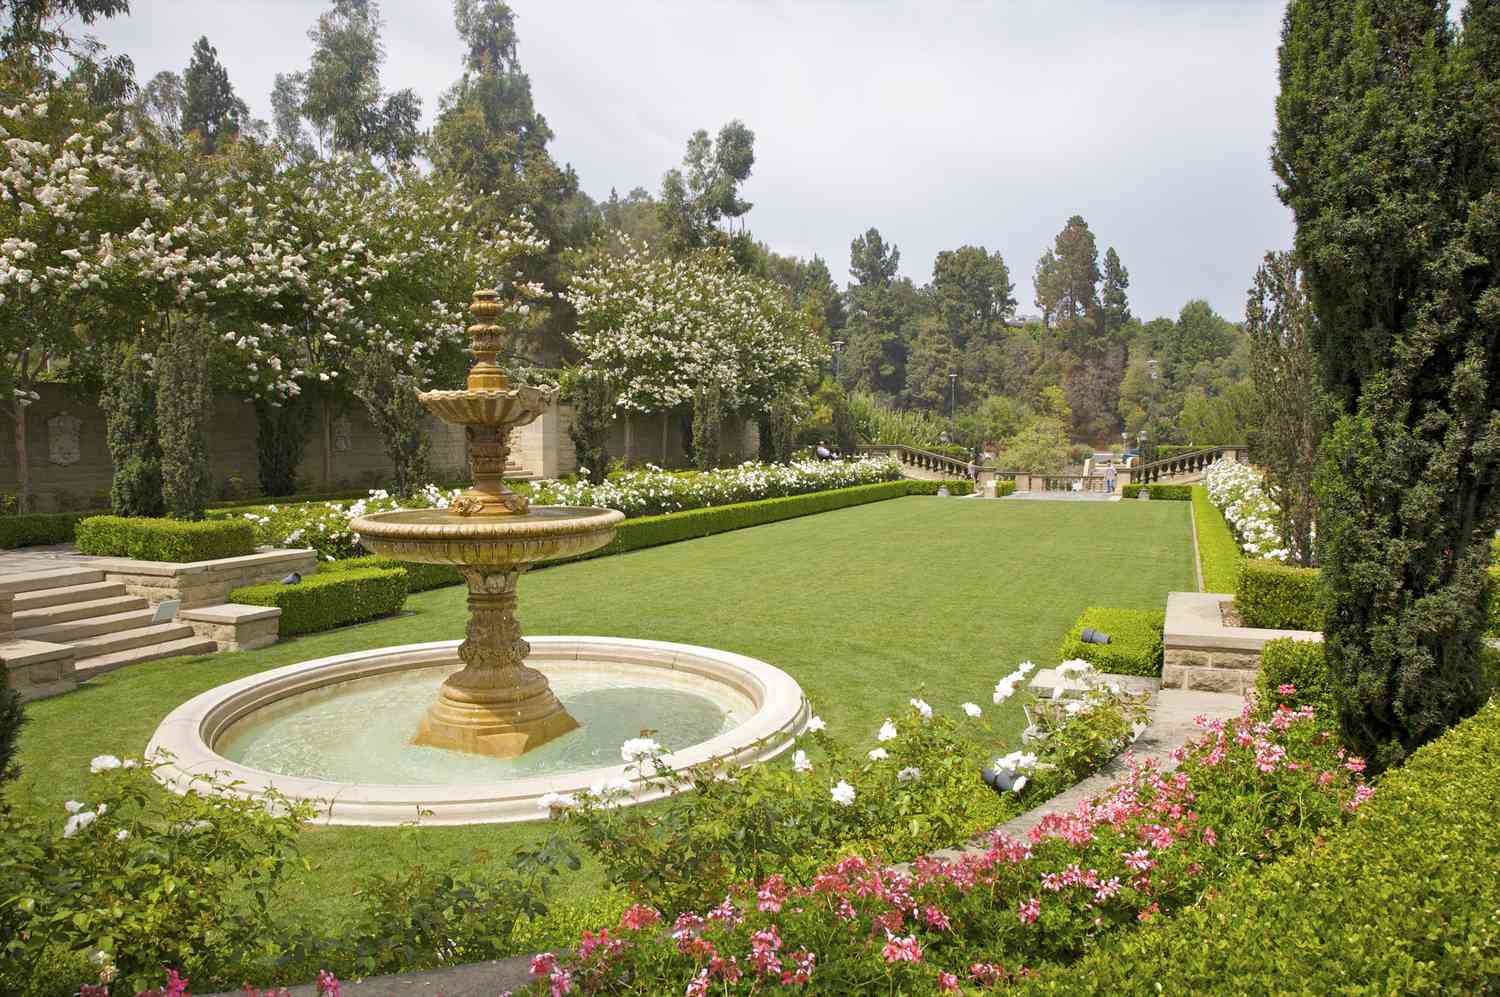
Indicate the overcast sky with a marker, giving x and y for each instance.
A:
(941, 123)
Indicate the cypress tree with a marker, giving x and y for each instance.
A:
(129, 403)
(1389, 152)
(184, 405)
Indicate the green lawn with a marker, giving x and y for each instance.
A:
(864, 606)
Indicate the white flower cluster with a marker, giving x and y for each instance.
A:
(1006, 687)
(1012, 771)
(1238, 490)
(653, 491)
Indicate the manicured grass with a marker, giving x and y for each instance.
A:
(864, 606)
(1217, 549)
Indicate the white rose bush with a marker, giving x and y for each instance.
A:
(1239, 492)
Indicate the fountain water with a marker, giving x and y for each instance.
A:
(341, 732)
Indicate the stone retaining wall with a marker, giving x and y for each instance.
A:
(203, 583)
(37, 670)
(236, 627)
(1202, 653)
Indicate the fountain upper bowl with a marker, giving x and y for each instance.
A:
(491, 407)
(442, 536)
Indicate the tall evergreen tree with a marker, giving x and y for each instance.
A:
(209, 106)
(972, 290)
(489, 136)
(1114, 304)
(1389, 154)
(341, 93)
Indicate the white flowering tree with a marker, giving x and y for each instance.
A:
(660, 330)
(69, 180)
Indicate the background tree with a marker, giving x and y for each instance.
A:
(1290, 413)
(341, 93)
(1387, 148)
(882, 311)
(695, 198)
(209, 107)
(973, 294)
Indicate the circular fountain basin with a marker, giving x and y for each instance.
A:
(335, 731)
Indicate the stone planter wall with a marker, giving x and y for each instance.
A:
(235, 627)
(204, 583)
(37, 670)
(1202, 653)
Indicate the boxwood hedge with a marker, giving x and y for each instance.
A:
(1135, 640)
(419, 577)
(958, 486)
(1279, 596)
(1160, 493)
(1298, 663)
(335, 599)
(38, 528)
(1218, 552)
(1402, 900)
(175, 540)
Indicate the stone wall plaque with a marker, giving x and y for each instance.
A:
(62, 438)
(343, 433)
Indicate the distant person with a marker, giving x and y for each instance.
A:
(823, 452)
(1109, 479)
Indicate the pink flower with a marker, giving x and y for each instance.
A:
(1287, 689)
(902, 949)
(1209, 837)
(561, 982)
(1139, 860)
(638, 917)
(698, 985)
(936, 919)
(1355, 765)
(543, 963)
(1325, 778)
(592, 943)
(985, 973)
(1362, 793)
(1107, 889)
(948, 983)
(328, 984)
(1030, 911)
(772, 895)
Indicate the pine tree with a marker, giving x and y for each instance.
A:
(1387, 148)
(209, 107)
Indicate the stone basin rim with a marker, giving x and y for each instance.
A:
(188, 733)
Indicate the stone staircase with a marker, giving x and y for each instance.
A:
(107, 627)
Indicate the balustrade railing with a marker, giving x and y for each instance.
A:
(1192, 462)
(915, 457)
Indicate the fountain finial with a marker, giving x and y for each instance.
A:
(484, 342)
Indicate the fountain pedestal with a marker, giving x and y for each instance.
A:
(495, 705)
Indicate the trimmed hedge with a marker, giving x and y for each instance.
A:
(958, 486)
(1279, 596)
(1286, 661)
(651, 531)
(175, 540)
(1159, 493)
(1004, 488)
(1135, 640)
(335, 599)
(38, 528)
(1400, 901)
(1218, 551)
(419, 577)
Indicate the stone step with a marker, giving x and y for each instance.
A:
(64, 633)
(33, 618)
(101, 663)
(1045, 683)
(123, 640)
(63, 594)
(30, 581)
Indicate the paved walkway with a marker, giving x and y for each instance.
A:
(1064, 497)
(55, 557)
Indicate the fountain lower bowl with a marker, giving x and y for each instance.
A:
(775, 710)
(441, 536)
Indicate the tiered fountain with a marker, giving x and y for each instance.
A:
(346, 731)
(496, 705)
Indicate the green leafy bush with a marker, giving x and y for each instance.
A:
(1494, 627)
(164, 539)
(913, 788)
(1005, 487)
(1402, 900)
(419, 577)
(650, 531)
(1218, 551)
(1301, 665)
(958, 486)
(1160, 493)
(12, 719)
(38, 528)
(335, 599)
(1279, 596)
(1135, 640)
(151, 879)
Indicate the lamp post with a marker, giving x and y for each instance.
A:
(952, 394)
(838, 347)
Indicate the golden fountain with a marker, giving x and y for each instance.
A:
(496, 704)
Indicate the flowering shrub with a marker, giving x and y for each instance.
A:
(653, 491)
(916, 787)
(133, 879)
(1238, 490)
(324, 526)
(1246, 792)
